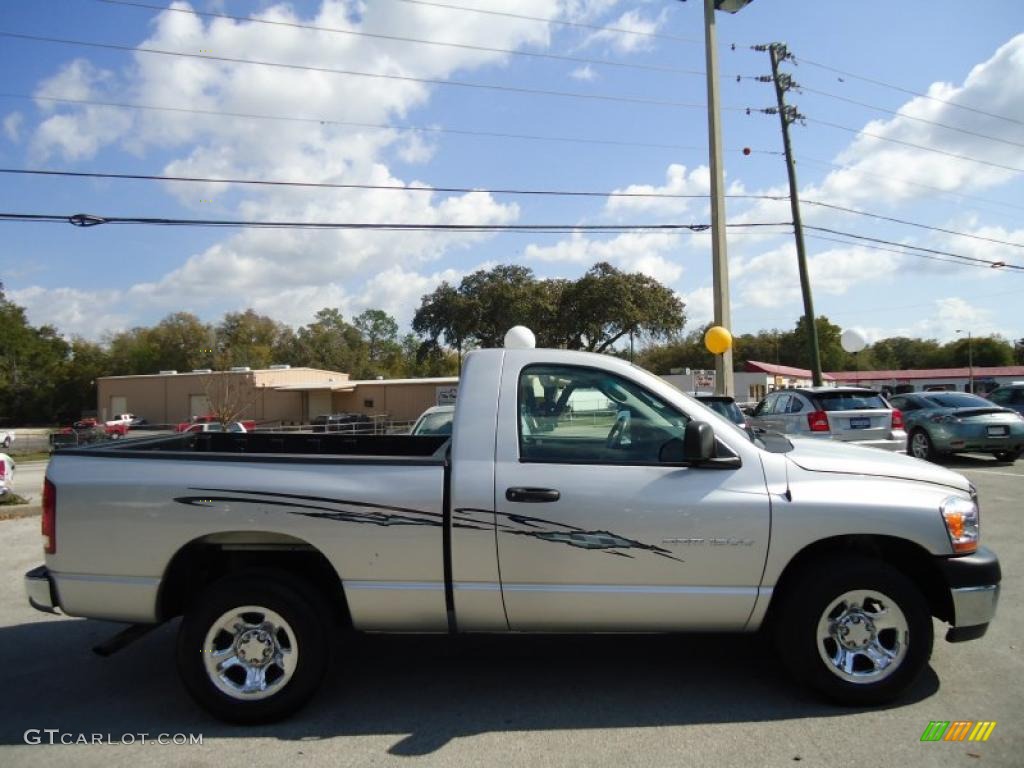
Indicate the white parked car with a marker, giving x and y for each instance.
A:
(6, 438)
(436, 420)
(215, 426)
(6, 474)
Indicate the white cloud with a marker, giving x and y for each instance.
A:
(700, 306)
(12, 126)
(292, 269)
(71, 310)
(996, 86)
(635, 35)
(677, 182)
(770, 280)
(653, 254)
(585, 73)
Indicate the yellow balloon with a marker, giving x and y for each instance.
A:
(718, 340)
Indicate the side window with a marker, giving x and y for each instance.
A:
(571, 414)
(782, 404)
(1000, 396)
(795, 405)
(765, 406)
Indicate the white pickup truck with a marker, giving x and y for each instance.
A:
(577, 493)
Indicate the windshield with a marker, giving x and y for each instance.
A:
(726, 408)
(435, 424)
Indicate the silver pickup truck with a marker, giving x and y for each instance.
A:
(577, 493)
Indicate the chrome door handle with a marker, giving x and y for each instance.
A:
(532, 495)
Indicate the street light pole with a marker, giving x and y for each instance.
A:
(719, 261)
(970, 360)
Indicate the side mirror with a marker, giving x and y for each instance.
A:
(697, 445)
(699, 441)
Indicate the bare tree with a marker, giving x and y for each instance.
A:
(229, 395)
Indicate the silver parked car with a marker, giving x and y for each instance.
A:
(957, 422)
(850, 414)
(1009, 396)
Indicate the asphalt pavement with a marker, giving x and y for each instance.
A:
(554, 701)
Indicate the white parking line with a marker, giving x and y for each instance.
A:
(992, 472)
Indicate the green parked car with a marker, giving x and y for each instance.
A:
(940, 423)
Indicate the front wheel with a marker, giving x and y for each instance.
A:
(857, 631)
(253, 649)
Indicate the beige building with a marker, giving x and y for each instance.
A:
(279, 394)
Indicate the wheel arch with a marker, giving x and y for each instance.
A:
(208, 558)
(911, 559)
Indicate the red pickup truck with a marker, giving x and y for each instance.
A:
(87, 431)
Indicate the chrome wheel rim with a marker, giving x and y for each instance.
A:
(250, 653)
(919, 445)
(863, 636)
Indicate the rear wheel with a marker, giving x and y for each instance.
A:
(857, 631)
(253, 648)
(920, 446)
(1007, 456)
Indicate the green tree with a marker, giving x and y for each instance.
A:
(606, 305)
(595, 312)
(331, 343)
(379, 333)
(251, 339)
(796, 351)
(31, 360)
(984, 350)
(683, 352)
(75, 387)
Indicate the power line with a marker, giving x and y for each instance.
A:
(468, 190)
(922, 249)
(558, 22)
(368, 187)
(90, 220)
(861, 132)
(850, 169)
(901, 89)
(908, 117)
(400, 39)
(373, 75)
(894, 250)
(374, 126)
(905, 222)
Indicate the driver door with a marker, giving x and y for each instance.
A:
(595, 533)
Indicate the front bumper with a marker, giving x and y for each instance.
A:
(40, 590)
(973, 582)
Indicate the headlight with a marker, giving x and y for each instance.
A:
(961, 518)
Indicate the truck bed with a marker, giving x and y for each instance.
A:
(270, 446)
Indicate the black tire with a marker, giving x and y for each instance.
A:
(7, 442)
(304, 615)
(1007, 456)
(805, 608)
(920, 446)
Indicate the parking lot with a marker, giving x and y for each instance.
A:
(608, 700)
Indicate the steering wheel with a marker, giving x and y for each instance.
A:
(619, 433)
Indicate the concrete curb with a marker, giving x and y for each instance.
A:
(19, 511)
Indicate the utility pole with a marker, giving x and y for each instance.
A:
(719, 261)
(787, 115)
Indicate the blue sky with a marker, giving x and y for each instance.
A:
(92, 281)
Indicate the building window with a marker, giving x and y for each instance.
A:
(367, 403)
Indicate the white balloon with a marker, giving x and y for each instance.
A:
(852, 340)
(520, 337)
